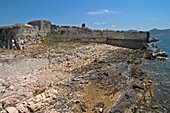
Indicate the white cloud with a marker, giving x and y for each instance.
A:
(141, 27)
(98, 23)
(113, 26)
(102, 11)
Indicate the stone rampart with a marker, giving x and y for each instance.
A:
(15, 37)
(43, 25)
(127, 43)
(79, 39)
(21, 35)
(86, 32)
(133, 40)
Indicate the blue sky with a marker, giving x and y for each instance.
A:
(97, 14)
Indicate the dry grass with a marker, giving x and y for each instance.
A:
(93, 94)
(46, 46)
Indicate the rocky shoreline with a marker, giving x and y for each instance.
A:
(92, 79)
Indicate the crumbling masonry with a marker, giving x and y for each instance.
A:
(19, 36)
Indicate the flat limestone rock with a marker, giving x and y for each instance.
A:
(12, 110)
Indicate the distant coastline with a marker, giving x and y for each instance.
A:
(155, 32)
(158, 32)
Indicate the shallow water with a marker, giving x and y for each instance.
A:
(159, 71)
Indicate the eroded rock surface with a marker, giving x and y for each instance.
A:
(93, 78)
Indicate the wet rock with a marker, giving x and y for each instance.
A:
(137, 85)
(128, 96)
(160, 54)
(157, 54)
(155, 107)
(149, 55)
(128, 103)
(138, 61)
(153, 40)
(162, 58)
(137, 73)
(129, 99)
(154, 46)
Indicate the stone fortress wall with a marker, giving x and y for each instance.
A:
(19, 36)
(86, 32)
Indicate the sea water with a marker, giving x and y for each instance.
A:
(159, 71)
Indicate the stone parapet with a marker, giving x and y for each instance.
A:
(19, 36)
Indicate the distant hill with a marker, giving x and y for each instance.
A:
(131, 30)
(158, 32)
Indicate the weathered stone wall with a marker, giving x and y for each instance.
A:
(78, 39)
(43, 25)
(127, 43)
(86, 32)
(133, 40)
(19, 36)
(16, 36)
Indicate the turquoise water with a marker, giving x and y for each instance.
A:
(159, 71)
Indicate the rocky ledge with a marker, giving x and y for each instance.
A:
(92, 78)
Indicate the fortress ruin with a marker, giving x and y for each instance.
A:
(19, 36)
